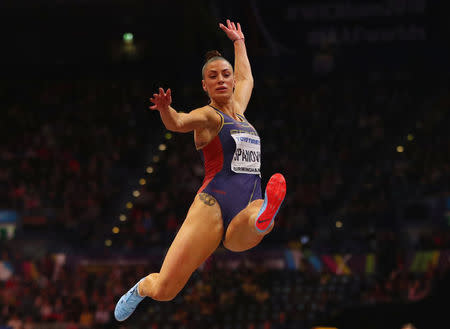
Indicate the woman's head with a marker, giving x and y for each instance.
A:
(218, 77)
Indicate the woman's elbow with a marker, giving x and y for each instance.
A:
(179, 128)
(174, 127)
(251, 81)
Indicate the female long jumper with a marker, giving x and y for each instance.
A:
(229, 204)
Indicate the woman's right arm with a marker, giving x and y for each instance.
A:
(243, 72)
(180, 122)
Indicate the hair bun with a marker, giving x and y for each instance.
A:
(211, 54)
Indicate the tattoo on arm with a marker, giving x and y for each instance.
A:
(207, 199)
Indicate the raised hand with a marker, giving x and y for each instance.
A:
(161, 100)
(232, 32)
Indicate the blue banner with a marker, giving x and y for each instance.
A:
(8, 216)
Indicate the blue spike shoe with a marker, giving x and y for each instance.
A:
(128, 303)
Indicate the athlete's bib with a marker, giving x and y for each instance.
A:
(247, 157)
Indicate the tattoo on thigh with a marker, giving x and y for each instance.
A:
(207, 199)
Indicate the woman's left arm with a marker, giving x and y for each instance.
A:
(242, 70)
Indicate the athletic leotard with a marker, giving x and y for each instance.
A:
(232, 162)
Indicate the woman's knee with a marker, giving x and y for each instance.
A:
(157, 289)
(256, 204)
(230, 246)
(164, 292)
(236, 245)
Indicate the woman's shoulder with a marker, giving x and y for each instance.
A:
(211, 115)
(204, 109)
(209, 111)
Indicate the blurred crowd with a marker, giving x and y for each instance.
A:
(52, 290)
(66, 148)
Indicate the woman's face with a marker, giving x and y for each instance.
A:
(218, 80)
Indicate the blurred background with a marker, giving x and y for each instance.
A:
(351, 101)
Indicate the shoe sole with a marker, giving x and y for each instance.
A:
(273, 198)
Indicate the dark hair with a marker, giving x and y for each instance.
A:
(212, 56)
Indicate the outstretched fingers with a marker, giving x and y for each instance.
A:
(165, 94)
(231, 25)
(233, 31)
(223, 27)
(153, 100)
(161, 100)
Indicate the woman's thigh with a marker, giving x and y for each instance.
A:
(198, 237)
(241, 234)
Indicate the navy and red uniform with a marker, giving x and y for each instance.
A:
(232, 162)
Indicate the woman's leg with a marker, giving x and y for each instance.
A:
(197, 239)
(251, 224)
(241, 233)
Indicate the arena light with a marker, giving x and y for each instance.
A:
(128, 37)
(142, 181)
(400, 149)
(122, 218)
(115, 230)
(129, 205)
(155, 158)
(168, 135)
(410, 137)
(149, 170)
(162, 147)
(339, 224)
(136, 194)
(108, 243)
(304, 239)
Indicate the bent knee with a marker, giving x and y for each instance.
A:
(164, 293)
(230, 246)
(159, 289)
(256, 203)
(242, 245)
